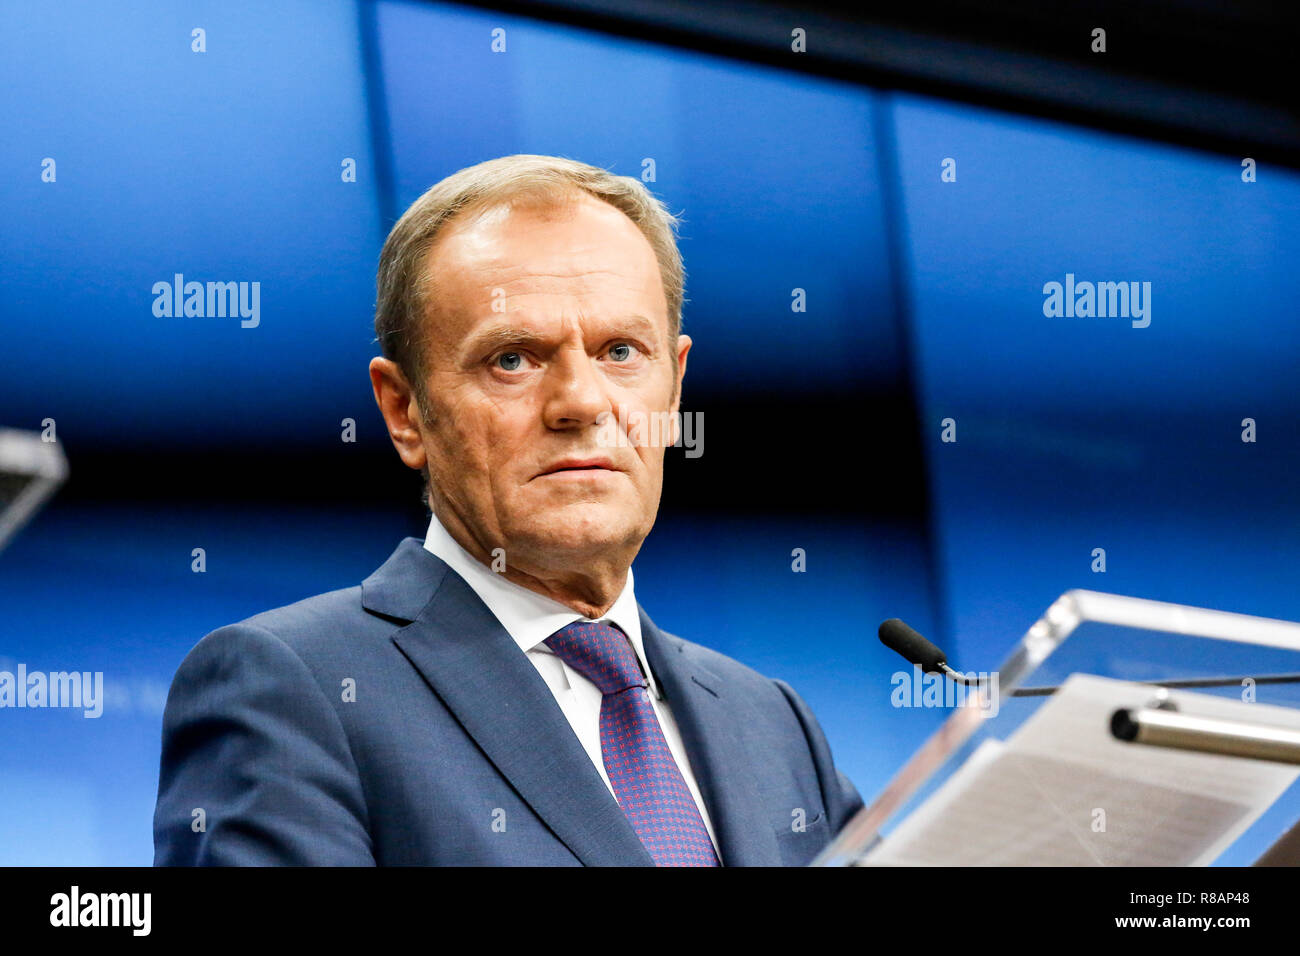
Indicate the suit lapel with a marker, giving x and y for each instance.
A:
(715, 746)
(478, 671)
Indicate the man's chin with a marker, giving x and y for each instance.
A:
(580, 529)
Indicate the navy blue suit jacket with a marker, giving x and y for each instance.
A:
(398, 723)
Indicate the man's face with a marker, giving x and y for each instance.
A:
(542, 323)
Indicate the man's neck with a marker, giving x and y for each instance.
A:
(590, 593)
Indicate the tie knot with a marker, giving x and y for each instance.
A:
(599, 652)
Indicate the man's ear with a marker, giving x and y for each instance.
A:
(683, 347)
(396, 401)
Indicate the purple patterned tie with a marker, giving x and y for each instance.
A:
(641, 768)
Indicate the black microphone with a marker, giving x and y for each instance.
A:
(904, 640)
(908, 643)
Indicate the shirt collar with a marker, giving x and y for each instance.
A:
(528, 617)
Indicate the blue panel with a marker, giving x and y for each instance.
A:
(221, 166)
(1035, 201)
(1075, 433)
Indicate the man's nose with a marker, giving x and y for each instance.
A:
(576, 391)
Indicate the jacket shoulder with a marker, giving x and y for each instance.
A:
(727, 668)
(312, 620)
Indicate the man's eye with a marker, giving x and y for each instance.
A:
(621, 353)
(510, 361)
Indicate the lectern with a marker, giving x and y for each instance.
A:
(1119, 731)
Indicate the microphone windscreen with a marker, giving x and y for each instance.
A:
(897, 636)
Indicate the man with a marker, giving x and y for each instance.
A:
(495, 694)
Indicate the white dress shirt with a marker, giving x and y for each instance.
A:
(530, 618)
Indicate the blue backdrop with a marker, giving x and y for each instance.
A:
(229, 165)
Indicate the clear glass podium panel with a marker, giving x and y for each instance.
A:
(1088, 632)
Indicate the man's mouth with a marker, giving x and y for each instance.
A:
(577, 467)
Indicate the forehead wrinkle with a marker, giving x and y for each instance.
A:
(514, 274)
